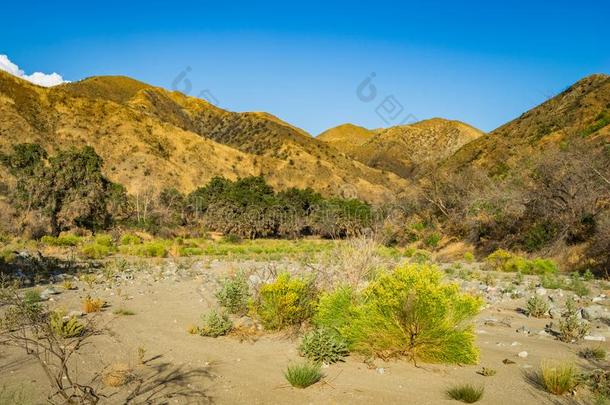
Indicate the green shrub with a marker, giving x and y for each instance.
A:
(408, 312)
(593, 353)
(130, 239)
(104, 240)
(147, 249)
(466, 393)
(62, 240)
(432, 240)
(335, 310)
(551, 282)
(421, 256)
(578, 286)
(469, 257)
(598, 382)
(65, 327)
(32, 297)
(502, 260)
(557, 378)
(537, 307)
(571, 328)
(95, 250)
(285, 302)
(234, 294)
(323, 346)
(191, 251)
(303, 375)
(215, 324)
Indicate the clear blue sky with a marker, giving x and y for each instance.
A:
(481, 62)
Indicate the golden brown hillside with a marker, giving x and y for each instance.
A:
(406, 150)
(580, 112)
(153, 138)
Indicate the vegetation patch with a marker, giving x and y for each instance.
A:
(466, 393)
(502, 260)
(323, 346)
(303, 375)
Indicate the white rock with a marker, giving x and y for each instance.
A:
(523, 354)
(541, 291)
(595, 338)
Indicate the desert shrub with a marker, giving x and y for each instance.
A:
(421, 256)
(92, 305)
(357, 259)
(65, 327)
(303, 375)
(62, 240)
(130, 239)
(147, 249)
(323, 346)
(215, 324)
(502, 260)
(286, 301)
(487, 372)
(571, 328)
(335, 309)
(234, 293)
(32, 297)
(598, 382)
(408, 312)
(577, 285)
(190, 251)
(593, 353)
(95, 250)
(432, 240)
(537, 307)
(465, 393)
(551, 282)
(557, 378)
(469, 257)
(104, 240)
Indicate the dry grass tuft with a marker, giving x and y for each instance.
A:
(119, 375)
(93, 305)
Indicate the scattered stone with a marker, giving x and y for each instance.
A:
(540, 291)
(523, 330)
(554, 313)
(47, 292)
(515, 344)
(595, 312)
(522, 354)
(544, 333)
(380, 370)
(77, 314)
(508, 361)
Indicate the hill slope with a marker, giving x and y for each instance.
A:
(406, 150)
(153, 138)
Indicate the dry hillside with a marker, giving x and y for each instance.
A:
(406, 150)
(150, 137)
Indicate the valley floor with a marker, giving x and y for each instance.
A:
(167, 296)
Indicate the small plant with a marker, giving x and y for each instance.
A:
(32, 297)
(571, 328)
(141, 354)
(285, 302)
(323, 346)
(487, 372)
(68, 285)
(598, 382)
(130, 239)
(215, 324)
(123, 312)
(588, 275)
(62, 240)
(89, 279)
(537, 307)
(117, 376)
(593, 353)
(92, 305)
(578, 286)
(432, 240)
(234, 294)
(557, 378)
(95, 251)
(469, 257)
(303, 375)
(466, 393)
(65, 327)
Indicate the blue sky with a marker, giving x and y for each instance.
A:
(479, 62)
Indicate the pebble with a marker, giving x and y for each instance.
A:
(380, 370)
(522, 354)
(541, 291)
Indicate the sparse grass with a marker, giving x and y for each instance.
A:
(68, 285)
(557, 378)
(117, 376)
(502, 260)
(92, 305)
(123, 312)
(32, 296)
(487, 372)
(593, 353)
(215, 324)
(303, 375)
(466, 393)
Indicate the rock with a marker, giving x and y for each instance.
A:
(381, 370)
(508, 361)
(244, 322)
(595, 338)
(77, 314)
(523, 330)
(515, 344)
(540, 291)
(544, 333)
(47, 292)
(522, 354)
(554, 313)
(594, 312)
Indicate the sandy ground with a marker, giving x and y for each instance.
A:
(184, 368)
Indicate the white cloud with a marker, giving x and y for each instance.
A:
(39, 78)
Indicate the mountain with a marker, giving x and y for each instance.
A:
(580, 112)
(153, 138)
(406, 150)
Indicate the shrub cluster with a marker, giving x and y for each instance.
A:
(502, 260)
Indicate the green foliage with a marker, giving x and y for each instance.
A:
(104, 240)
(95, 250)
(323, 346)
(32, 297)
(407, 312)
(130, 239)
(303, 375)
(602, 120)
(469, 257)
(234, 293)
(147, 249)
(571, 328)
(598, 382)
(578, 286)
(62, 240)
(557, 378)
(432, 240)
(285, 302)
(502, 260)
(538, 235)
(215, 324)
(551, 282)
(65, 327)
(466, 393)
(537, 307)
